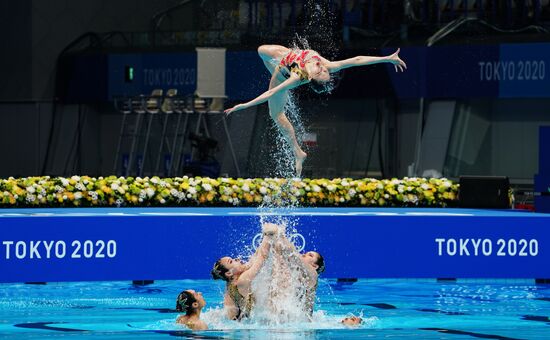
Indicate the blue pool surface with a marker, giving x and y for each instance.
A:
(423, 309)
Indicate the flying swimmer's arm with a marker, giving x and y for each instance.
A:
(335, 66)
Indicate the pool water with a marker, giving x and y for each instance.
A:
(426, 309)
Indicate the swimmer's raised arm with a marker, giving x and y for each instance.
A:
(292, 82)
(261, 255)
(294, 255)
(335, 66)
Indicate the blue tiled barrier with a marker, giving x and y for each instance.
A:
(179, 243)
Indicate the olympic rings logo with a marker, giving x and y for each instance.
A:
(297, 239)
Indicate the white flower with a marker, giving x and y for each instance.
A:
(316, 188)
(246, 188)
(142, 194)
(40, 197)
(79, 186)
(64, 181)
(446, 184)
(119, 202)
(400, 189)
(395, 181)
(150, 192)
(331, 187)
(162, 201)
(425, 186)
(342, 199)
(93, 195)
(386, 196)
(192, 191)
(163, 184)
(154, 180)
(58, 189)
(30, 190)
(174, 192)
(379, 186)
(352, 192)
(267, 199)
(115, 186)
(30, 198)
(64, 197)
(207, 186)
(77, 195)
(345, 183)
(75, 178)
(263, 190)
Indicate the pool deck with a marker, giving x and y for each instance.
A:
(237, 211)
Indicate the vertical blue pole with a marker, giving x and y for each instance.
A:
(293, 13)
(280, 7)
(371, 14)
(538, 8)
(250, 15)
(509, 12)
(437, 11)
(480, 10)
(269, 13)
(256, 13)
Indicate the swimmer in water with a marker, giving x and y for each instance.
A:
(291, 68)
(191, 303)
(238, 298)
(309, 266)
(352, 321)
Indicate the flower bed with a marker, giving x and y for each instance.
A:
(85, 191)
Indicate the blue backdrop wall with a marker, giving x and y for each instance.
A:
(172, 243)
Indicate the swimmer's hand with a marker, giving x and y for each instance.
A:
(269, 229)
(397, 62)
(237, 107)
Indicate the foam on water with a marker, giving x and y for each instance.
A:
(216, 320)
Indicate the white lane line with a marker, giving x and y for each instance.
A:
(436, 214)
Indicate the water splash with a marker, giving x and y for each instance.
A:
(216, 320)
(281, 296)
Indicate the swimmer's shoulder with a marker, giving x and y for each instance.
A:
(200, 326)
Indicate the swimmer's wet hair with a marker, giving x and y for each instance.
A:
(219, 271)
(320, 264)
(184, 302)
(321, 87)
